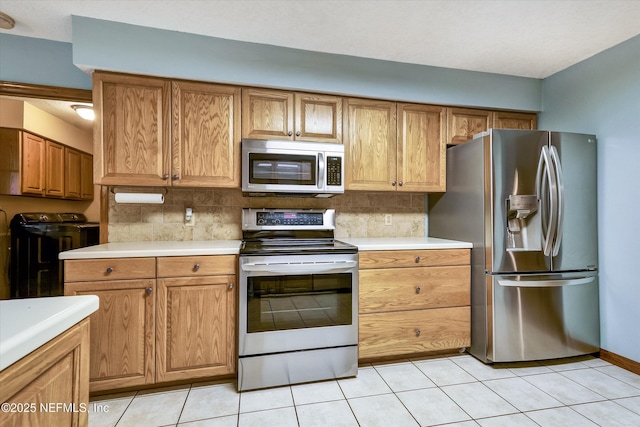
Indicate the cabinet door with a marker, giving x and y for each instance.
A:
(122, 332)
(206, 135)
(196, 327)
(267, 114)
(86, 176)
(132, 125)
(72, 176)
(54, 183)
(318, 118)
(33, 164)
(509, 120)
(370, 145)
(421, 148)
(463, 123)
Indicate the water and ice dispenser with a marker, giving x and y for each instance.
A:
(523, 223)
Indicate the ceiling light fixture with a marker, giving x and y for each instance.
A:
(6, 22)
(84, 111)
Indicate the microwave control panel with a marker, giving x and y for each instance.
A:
(334, 170)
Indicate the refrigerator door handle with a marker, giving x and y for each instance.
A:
(544, 178)
(546, 283)
(557, 238)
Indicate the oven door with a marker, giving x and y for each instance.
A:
(300, 302)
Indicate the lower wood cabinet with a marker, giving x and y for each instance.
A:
(196, 317)
(413, 302)
(122, 332)
(55, 373)
(152, 327)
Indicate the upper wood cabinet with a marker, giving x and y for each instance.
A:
(131, 131)
(511, 120)
(34, 166)
(370, 145)
(394, 147)
(463, 123)
(78, 176)
(205, 135)
(421, 148)
(272, 114)
(156, 132)
(33, 163)
(54, 170)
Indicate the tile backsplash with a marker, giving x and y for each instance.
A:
(217, 214)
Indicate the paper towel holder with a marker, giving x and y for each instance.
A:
(113, 190)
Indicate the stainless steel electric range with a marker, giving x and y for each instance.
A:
(298, 305)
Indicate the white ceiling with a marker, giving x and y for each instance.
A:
(530, 38)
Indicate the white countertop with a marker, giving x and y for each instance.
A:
(26, 324)
(153, 249)
(402, 243)
(231, 247)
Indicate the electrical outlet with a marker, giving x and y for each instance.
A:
(188, 217)
(388, 219)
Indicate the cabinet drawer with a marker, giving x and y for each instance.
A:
(413, 331)
(109, 269)
(413, 258)
(184, 266)
(395, 289)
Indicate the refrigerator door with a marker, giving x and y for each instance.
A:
(538, 317)
(520, 169)
(575, 240)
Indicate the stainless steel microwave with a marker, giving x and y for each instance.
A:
(291, 168)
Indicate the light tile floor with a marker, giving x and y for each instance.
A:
(452, 391)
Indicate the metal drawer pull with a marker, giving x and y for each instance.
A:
(149, 290)
(196, 267)
(109, 270)
(417, 259)
(230, 285)
(417, 332)
(417, 289)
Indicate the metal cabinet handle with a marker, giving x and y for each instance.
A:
(289, 133)
(149, 290)
(165, 176)
(230, 286)
(417, 289)
(400, 183)
(298, 133)
(417, 259)
(109, 270)
(417, 332)
(196, 267)
(393, 183)
(174, 177)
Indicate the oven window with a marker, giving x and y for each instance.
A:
(282, 169)
(276, 303)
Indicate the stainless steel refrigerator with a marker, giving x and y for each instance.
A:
(527, 201)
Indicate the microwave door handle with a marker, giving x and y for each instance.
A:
(321, 171)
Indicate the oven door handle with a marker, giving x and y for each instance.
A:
(311, 267)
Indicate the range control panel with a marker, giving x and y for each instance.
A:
(289, 218)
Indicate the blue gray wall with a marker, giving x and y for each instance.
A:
(38, 61)
(601, 95)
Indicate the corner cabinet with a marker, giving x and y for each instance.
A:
(156, 132)
(160, 319)
(413, 302)
(394, 147)
(273, 114)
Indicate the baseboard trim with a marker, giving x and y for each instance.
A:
(621, 361)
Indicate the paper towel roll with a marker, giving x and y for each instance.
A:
(156, 198)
